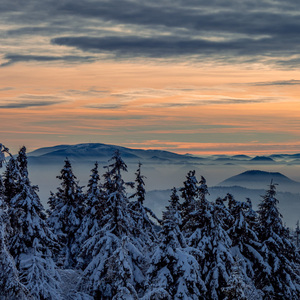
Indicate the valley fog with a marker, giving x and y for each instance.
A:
(164, 170)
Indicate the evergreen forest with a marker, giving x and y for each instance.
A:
(102, 242)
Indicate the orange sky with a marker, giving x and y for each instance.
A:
(178, 107)
(200, 106)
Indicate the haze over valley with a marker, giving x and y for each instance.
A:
(242, 175)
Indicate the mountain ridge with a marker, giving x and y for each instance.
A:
(260, 179)
(99, 150)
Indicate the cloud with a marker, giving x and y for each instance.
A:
(228, 31)
(31, 100)
(250, 148)
(15, 58)
(105, 106)
(160, 47)
(8, 88)
(279, 82)
(290, 63)
(28, 104)
(90, 92)
(213, 16)
(219, 101)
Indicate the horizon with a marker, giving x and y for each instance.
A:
(14, 150)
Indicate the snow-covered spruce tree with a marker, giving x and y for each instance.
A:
(198, 213)
(1, 188)
(297, 235)
(10, 285)
(2, 155)
(10, 179)
(32, 243)
(140, 186)
(212, 239)
(245, 242)
(65, 215)
(95, 199)
(144, 228)
(174, 203)
(279, 280)
(23, 162)
(203, 190)
(238, 287)
(116, 268)
(189, 194)
(174, 273)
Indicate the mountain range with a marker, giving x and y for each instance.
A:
(99, 151)
(103, 152)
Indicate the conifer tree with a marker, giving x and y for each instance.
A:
(144, 228)
(140, 186)
(297, 235)
(218, 259)
(32, 243)
(94, 211)
(245, 242)
(198, 215)
(202, 190)
(189, 194)
(174, 273)
(174, 201)
(66, 213)
(2, 155)
(238, 287)
(1, 188)
(211, 240)
(279, 280)
(10, 285)
(22, 162)
(10, 180)
(114, 251)
(198, 222)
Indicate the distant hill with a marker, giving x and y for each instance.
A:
(103, 152)
(262, 158)
(256, 179)
(241, 156)
(89, 152)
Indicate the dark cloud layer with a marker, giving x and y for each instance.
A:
(279, 82)
(169, 47)
(27, 104)
(266, 30)
(233, 17)
(105, 106)
(14, 58)
(212, 102)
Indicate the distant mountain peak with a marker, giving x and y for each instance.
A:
(241, 156)
(260, 179)
(259, 173)
(262, 158)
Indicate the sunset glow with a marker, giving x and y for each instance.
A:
(92, 72)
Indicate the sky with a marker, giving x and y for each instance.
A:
(199, 77)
